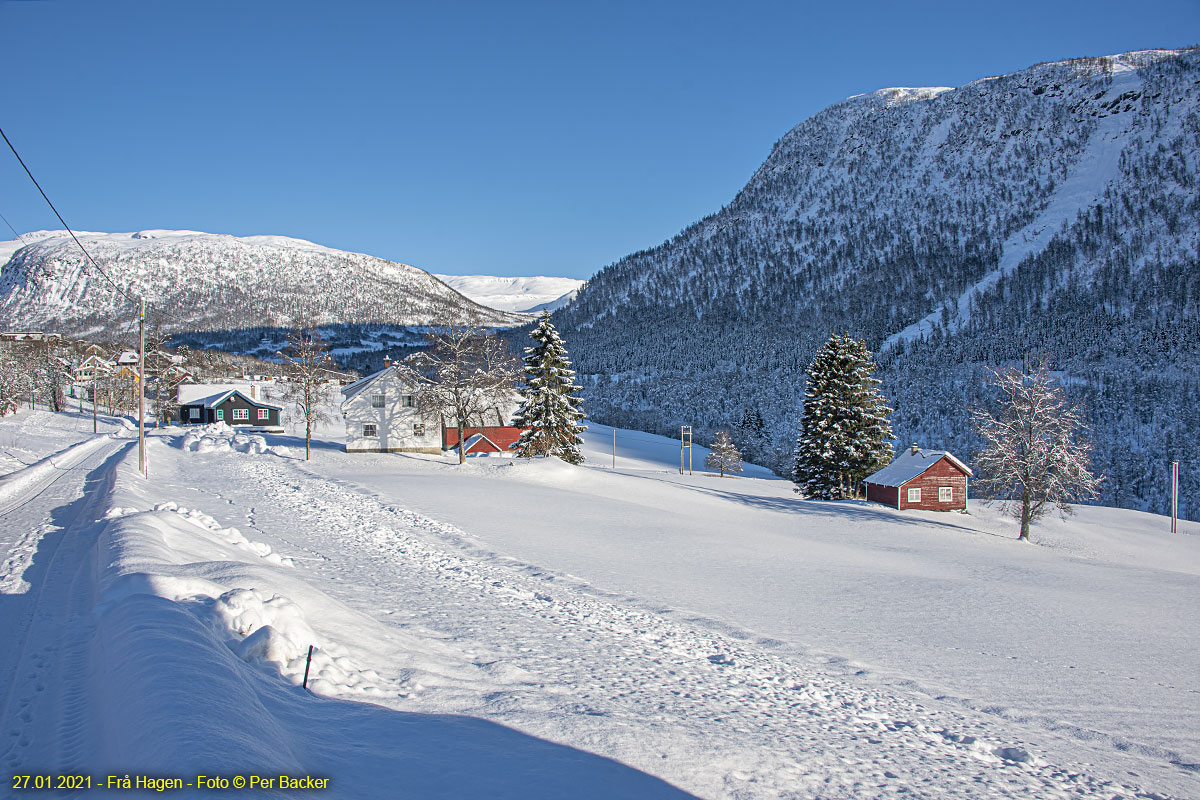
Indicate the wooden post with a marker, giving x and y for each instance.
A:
(1174, 497)
(614, 448)
(307, 664)
(141, 386)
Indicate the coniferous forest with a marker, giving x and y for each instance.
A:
(1054, 210)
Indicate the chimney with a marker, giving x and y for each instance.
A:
(915, 449)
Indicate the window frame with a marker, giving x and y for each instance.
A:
(914, 495)
(241, 414)
(418, 429)
(378, 401)
(408, 401)
(219, 415)
(370, 430)
(945, 494)
(194, 413)
(264, 414)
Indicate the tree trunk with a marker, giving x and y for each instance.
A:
(307, 439)
(462, 446)
(1026, 513)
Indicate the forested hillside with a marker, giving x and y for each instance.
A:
(1054, 209)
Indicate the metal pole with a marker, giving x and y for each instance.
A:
(94, 399)
(1174, 497)
(614, 448)
(141, 388)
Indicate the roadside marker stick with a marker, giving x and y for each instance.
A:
(307, 664)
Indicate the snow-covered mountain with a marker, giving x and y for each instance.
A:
(523, 295)
(213, 282)
(1054, 209)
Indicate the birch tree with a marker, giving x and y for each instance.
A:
(306, 365)
(464, 373)
(1036, 453)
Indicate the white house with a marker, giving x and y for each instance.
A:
(382, 417)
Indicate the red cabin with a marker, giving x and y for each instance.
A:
(931, 480)
(501, 437)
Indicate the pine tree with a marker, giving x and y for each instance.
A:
(844, 430)
(551, 410)
(723, 456)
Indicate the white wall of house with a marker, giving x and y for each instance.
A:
(381, 417)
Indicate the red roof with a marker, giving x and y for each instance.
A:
(503, 437)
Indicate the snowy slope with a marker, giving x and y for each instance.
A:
(524, 295)
(953, 230)
(631, 630)
(209, 282)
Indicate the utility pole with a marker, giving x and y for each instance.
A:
(1174, 497)
(685, 443)
(94, 398)
(142, 386)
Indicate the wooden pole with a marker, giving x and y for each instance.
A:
(141, 386)
(614, 448)
(1174, 497)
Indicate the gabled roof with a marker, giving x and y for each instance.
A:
(356, 388)
(909, 465)
(476, 438)
(220, 397)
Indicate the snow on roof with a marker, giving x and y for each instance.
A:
(220, 397)
(355, 389)
(909, 465)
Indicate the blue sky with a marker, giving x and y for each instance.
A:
(471, 138)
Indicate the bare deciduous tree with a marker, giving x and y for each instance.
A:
(1037, 453)
(463, 375)
(723, 456)
(306, 365)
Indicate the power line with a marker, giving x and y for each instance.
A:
(88, 255)
(11, 228)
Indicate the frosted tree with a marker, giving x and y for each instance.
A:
(306, 365)
(552, 408)
(1036, 452)
(464, 373)
(844, 430)
(723, 455)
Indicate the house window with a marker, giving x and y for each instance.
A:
(193, 413)
(264, 414)
(407, 401)
(945, 494)
(418, 429)
(377, 401)
(370, 430)
(219, 414)
(241, 413)
(914, 495)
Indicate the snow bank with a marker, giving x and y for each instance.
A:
(220, 437)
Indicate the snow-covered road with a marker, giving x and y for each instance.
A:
(49, 529)
(169, 638)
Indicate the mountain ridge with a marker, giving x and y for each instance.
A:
(954, 230)
(217, 282)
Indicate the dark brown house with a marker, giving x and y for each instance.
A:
(233, 408)
(932, 480)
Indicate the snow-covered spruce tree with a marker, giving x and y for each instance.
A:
(1036, 450)
(844, 430)
(723, 455)
(551, 410)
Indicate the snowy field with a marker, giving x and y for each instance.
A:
(532, 629)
